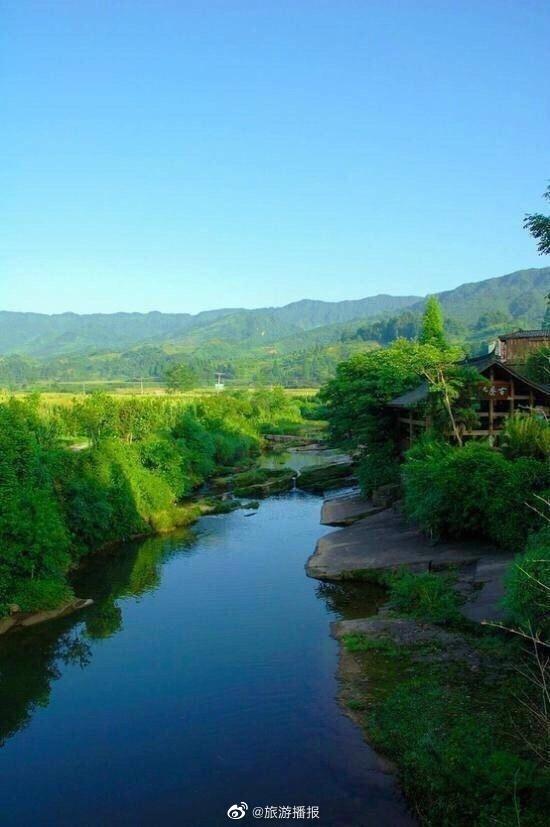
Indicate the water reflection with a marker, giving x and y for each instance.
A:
(205, 664)
(28, 670)
(32, 659)
(352, 600)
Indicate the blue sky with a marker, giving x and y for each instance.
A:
(180, 156)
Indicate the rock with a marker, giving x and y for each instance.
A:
(279, 482)
(488, 579)
(323, 477)
(343, 511)
(386, 495)
(33, 618)
(407, 632)
(383, 542)
(258, 483)
(6, 623)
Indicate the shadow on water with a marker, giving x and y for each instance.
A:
(32, 659)
(202, 675)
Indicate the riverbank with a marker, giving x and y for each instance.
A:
(236, 488)
(139, 463)
(446, 701)
(204, 660)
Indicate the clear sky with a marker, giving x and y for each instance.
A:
(179, 155)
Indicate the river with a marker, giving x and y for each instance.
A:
(203, 676)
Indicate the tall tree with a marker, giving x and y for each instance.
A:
(432, 332)
(180, 377)
(539, 227)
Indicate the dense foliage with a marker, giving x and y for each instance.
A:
(143, 457)
(528, 586)
(356, 398)
(453, 491)
(525, 435)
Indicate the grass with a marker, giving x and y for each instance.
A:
(453, 735)
(361, 643)
(429, 597)
(461, 733)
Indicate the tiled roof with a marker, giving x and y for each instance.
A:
(480, 363)
(407, 400)
(526, 334)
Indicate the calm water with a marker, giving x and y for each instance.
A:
(204, 675)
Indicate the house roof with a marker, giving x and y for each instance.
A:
(526, 334)
(411, 398)
(480, 363)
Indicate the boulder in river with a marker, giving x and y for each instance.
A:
(259, 483)
(323, 477)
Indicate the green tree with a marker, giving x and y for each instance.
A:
(180, 377)
(432, 332)
(539, 227)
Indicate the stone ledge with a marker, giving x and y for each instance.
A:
(344, 511)
(23, 619)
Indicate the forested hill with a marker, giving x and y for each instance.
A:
(519, 296)
(296, 345)
(41, 335)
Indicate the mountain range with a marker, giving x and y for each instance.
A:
(41, 335)
(519, 296)
(255, 345)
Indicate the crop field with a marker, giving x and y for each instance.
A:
(65, 397)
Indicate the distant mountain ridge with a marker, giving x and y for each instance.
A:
(514, 299)
(519, 295)
(42, 335)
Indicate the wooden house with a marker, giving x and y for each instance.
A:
(505, 391)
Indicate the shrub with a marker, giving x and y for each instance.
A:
(526, 435)
(472, 491)
(32, 595)
(426, 596)
(144, 456)
(379, 466)
(528, 586)
(34, 539)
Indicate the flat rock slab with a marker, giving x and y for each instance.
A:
(409, 632)
(485, 603)
(343, 511)
(18, 619)
(383, 542)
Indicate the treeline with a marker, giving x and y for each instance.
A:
(303, 367)
(75, 478)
